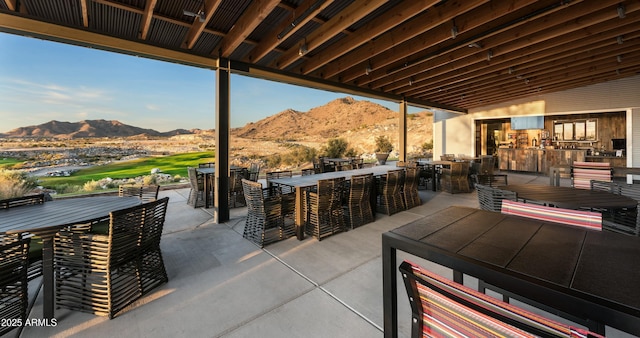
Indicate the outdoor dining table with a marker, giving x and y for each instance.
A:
(434, 167)
(582, 273)
(570, 198)
(300, 183)
(48, 218)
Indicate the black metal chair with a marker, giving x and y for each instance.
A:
(359, 203)
(490, 179)
(491, 198)
(265, 221)
(324, 215)
(102, 274)
(14, 262)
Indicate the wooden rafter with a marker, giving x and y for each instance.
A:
(273, 38)
(145, 23)
(250, 19)
(401, 33)
(387, 21)
(198, 26)
(356, 11)
(11, 4)
(559, 23)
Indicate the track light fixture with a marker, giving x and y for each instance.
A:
(622, 11)
(368, 70)
(620, 39)
(454, 31)
(489, 55)
(303, 48)
(475, 45)
(199, 15)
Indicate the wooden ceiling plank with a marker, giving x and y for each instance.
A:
(145, 23)
(11, 4)
(533, 54)
(196, 29)
(386, 22)
(508, 41)
(604, 54)
(494, 12)
(514, 86)
(400, 34)
(85, 13)
(352, 14)
(250, 19)
(272, 39)
(587, 78)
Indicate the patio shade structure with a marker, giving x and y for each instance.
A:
(446, 54)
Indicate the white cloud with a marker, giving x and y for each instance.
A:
(152, 107)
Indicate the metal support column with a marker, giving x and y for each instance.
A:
(402, 139)
(221, 202)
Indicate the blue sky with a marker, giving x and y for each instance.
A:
(42, 81)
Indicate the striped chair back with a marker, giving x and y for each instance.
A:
(583, 172)
(443, 308)
(588, 219)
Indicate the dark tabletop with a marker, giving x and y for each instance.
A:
(570, 198)
(596, 267)
(62, 212)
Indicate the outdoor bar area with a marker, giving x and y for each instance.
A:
(523, 221)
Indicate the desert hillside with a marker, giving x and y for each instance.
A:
(358, 122)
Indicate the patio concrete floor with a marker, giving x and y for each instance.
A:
(221, 285)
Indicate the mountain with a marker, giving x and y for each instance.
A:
(88, 128)
(330, 120)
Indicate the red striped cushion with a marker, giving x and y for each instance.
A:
(444, 316)
(588, 219)
(583, 172)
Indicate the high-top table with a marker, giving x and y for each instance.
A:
(582, 273)
(302, 182)
(570, 198)
(46, 219)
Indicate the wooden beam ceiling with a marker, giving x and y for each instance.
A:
(416, 50)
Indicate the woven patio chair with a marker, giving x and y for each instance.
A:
(146, 193)
(207, 165)
(390, 192)
(307, 172)
(359, 202)
(288, 193)
(236, 194)
(447, 157)
(265, 221)
(410, 188)
(490, 198)
(35, 247)
(22, 200)
(357, 162)
(102, 274)
(442, 307)
(254, 172)
(14, 261)
(324, 215)
(455, 178)
(196, 194)
(345, 166)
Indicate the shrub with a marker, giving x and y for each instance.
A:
(336, 147)
(92, 186)
(15, 183)
(383, 145)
